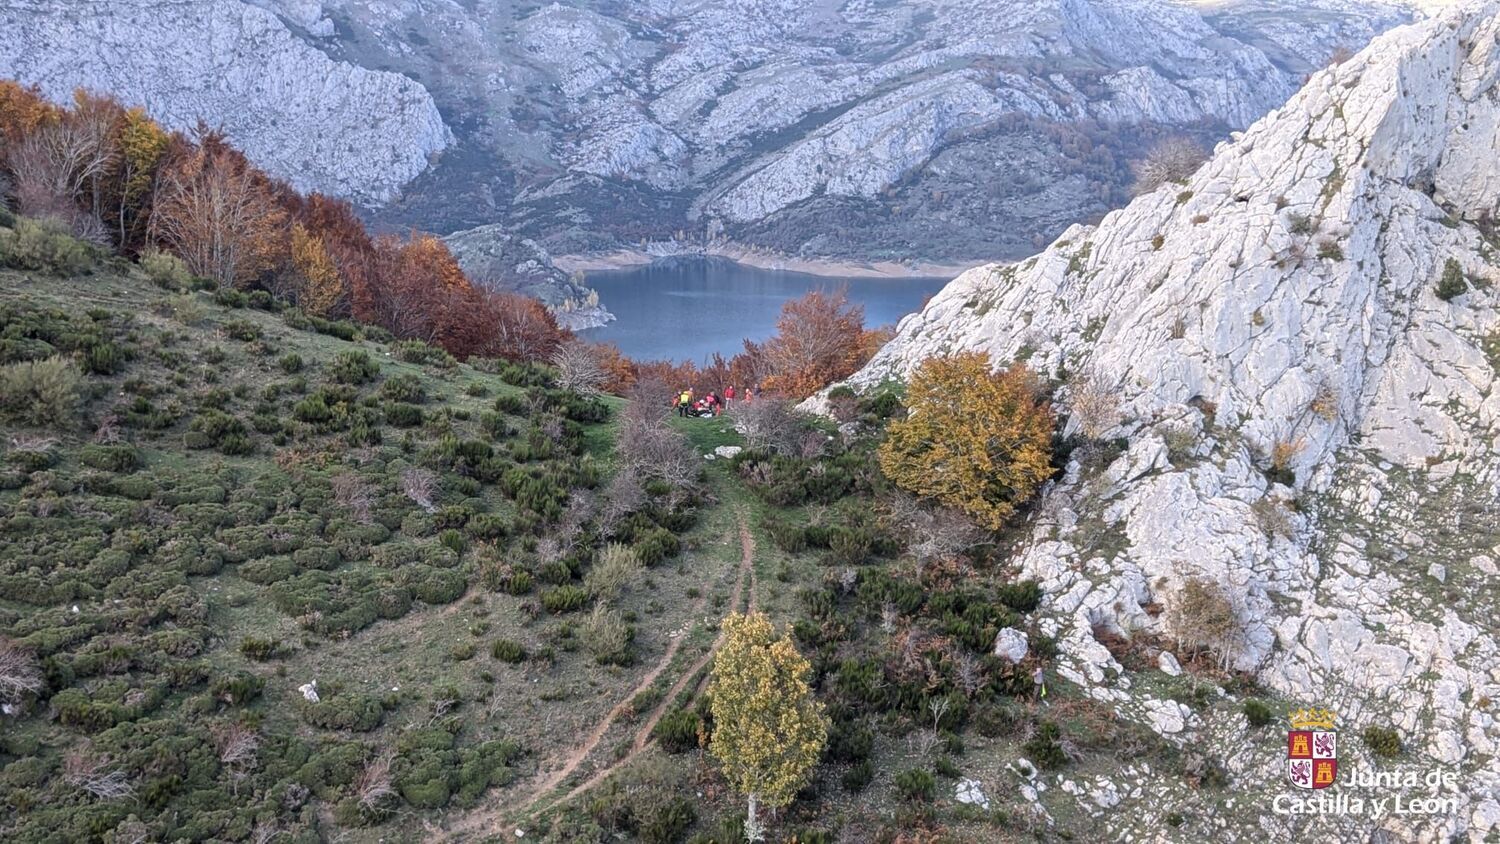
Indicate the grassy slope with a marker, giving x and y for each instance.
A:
(404, 663)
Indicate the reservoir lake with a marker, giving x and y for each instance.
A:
(689, 308)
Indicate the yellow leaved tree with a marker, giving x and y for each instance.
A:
(769, 730)
(974, 439)
(318, 282)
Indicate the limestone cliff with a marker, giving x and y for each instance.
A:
(321, 124)
(1306, 423)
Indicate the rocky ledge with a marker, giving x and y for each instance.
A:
(1304, 341)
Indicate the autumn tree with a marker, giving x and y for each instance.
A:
(60, 167)
(313, 277)
(973, 439)
(127, 204)
(217, 213)
(769, 730)
(521, 328)
(819, 339)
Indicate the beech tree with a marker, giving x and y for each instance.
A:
(819, 339)
(769, 730)
(217, 213)
(317, 287)
(973, 439)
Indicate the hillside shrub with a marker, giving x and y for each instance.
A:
(44, 247)
(608, 636)
(1452, 284)
(344, 711)
(508, 651)
(1382, 741)
(41, 393)
(403, 415)
(416, 351)
(218, 430)
(111, 458)
(165, 270)
(564, 599)
(975, 440)
(916, 785)
(404, 388)
(356, 367)
(1256, 712)
(677, 731)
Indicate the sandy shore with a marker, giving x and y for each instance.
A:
(628, 258)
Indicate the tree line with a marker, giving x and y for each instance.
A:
(112, 176)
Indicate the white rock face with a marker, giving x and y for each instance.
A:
(1280, 308)
(320, 124)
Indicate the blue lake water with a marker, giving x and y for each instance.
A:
(687, 309)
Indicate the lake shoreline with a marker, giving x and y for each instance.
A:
(628, 259)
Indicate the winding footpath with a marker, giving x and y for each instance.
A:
(487, 822)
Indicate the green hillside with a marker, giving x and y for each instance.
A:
(505, 597)
(208, 503)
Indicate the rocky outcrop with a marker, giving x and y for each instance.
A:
(321, 124)
(1308, 426)
(500, 260)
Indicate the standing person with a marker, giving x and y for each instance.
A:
(728, 395)
(684, 403)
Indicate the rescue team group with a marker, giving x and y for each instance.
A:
(711, 404)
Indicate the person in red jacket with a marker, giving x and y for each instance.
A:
(729, 395)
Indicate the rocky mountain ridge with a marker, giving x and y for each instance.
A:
(944, 130)
(1304, 340)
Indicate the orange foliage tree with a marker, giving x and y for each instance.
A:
(218, 213)
(819, 339)
(973, 439)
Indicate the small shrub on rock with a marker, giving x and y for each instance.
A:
(1382, 741)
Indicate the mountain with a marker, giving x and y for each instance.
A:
(1303, 339)
(321, 124)
(944, 131)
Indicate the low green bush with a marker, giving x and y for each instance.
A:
(111, 458)
(343, 711)
(44, 247)
(564, 599)
(1382, 741)
(356, 367)
(165, 270)
(405, 387)
(507, 651)
(1256, 712)
(403, 415)
(677, 731)
(916, 785)
(40, 393)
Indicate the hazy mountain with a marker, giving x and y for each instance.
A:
(927, 129)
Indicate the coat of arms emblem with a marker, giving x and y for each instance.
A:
(1312, 749)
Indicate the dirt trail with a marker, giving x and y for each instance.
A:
(744, 578)
(483, 822)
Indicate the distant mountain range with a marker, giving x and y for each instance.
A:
(941, 131)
